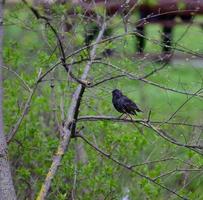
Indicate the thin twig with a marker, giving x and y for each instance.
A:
(19, 77)
(176, 170)
(149, 125)
(154, 71)
(135, 77)
(129, 168)
(105, 80)
(63, 56)
(181, 106)
(15, 128)
(116, 119)
(152, 162)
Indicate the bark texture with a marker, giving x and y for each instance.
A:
(7, 191)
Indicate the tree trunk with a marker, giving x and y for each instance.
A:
(7, 191)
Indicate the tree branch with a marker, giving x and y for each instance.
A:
(129, 168)
(135, 77)
(147, 124)
(116, 119)
(70, 124)
(15, 128)
(18, 76)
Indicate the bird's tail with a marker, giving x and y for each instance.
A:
(139, 110)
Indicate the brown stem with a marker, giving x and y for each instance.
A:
(130, 168)
(71, 119)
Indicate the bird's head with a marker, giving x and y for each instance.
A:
(116, 93)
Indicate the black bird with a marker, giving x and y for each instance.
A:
(123, 104)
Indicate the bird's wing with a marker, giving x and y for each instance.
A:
(130, 105)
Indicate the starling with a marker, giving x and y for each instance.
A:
(123, 104)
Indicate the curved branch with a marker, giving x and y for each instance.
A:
(18, 76)
(116, 119)
(15, 128)
(105, 80)
(135, 77)
(129, 167)
(147, 124)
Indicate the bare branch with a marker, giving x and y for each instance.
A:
(166, 136)
(147, 124)
(70, 124)
(105, 80)
(153, 161)
(15, 128)
(116, 119)
(135, 77)
(19, 77)
(181, 106)
(176, 170)
(63, 56)
(129, 167)
(154, 71)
